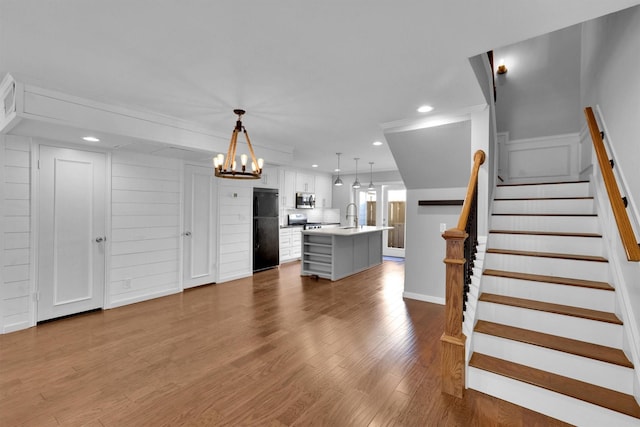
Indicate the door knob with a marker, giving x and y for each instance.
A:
(100, 239)
(187, 233)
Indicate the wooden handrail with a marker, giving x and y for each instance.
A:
(457, 264)
(629, 241)
(478, 160)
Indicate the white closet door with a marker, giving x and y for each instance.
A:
(71, 245)
(199, 227)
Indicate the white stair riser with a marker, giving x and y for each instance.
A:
(587, 270)
(578, 189)
(592, 371)
(567, 224)
(557, 244)
(561, 407)
(563, 206)
(576, 296)
(577, 328)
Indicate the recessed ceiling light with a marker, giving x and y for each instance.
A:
(91, 139)
(376, 143)
(314, 166)
(425, 109)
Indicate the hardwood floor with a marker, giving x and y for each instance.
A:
(276, 349)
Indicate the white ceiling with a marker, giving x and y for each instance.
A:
(320, 76)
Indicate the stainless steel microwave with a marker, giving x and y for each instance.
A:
(305, 200)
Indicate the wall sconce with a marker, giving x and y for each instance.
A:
(502, 69)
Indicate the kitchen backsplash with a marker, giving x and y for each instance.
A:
(323, 215)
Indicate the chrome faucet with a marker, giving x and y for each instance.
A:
(354, 216)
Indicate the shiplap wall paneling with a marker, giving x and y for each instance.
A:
(235, 231)
(17, 304)
(145, 223)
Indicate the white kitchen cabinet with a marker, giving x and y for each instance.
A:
(269, 178)
(305, 182)
(324, 190)
(287, 189)
(296, 239)
(290, 244)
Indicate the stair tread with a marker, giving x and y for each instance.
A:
(542, 214)
(546, 233)
(567, 310)
(542, 183)
(547, 255)
(549, 279)
(543, 198)
(600, 396)
(566, 345)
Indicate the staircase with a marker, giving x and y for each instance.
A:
(547, 336)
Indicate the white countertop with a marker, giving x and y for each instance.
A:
(346, 231)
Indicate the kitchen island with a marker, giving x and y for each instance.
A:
(334, 253)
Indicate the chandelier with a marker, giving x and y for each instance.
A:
(225, 167)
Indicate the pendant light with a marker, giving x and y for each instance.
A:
(371, 187)
(225, 167)
(338, 181)
(356, 183)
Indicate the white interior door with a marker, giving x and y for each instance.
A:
(199, 227)
(394, 215)
(71, 221)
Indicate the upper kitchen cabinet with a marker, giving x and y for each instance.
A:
(323, 191)
(287, 189)
(269, 178)
(305, 182)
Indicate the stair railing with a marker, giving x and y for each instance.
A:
(629, 241)
(460, 254)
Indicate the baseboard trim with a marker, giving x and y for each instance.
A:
(140, 298)
(16, 327)
(422, 297)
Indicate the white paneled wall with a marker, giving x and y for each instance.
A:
(235, 231)
(15, 293)
(546, 159)
(145, 224)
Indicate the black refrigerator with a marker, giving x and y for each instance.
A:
(266, 229)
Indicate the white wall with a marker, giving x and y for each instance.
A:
(553, 158)
(144, 238)
(424, 275)
(235, 231)
(15, 292)
(610, 79)
(540, 93)
(610, 82)
(145, 227)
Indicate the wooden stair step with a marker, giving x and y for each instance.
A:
(542, 214)
(545, 233)
(567, 310)
(553, 342)
(600, 396)
(549, 279)
(542, 183)
(544, 198)
(547, 255)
